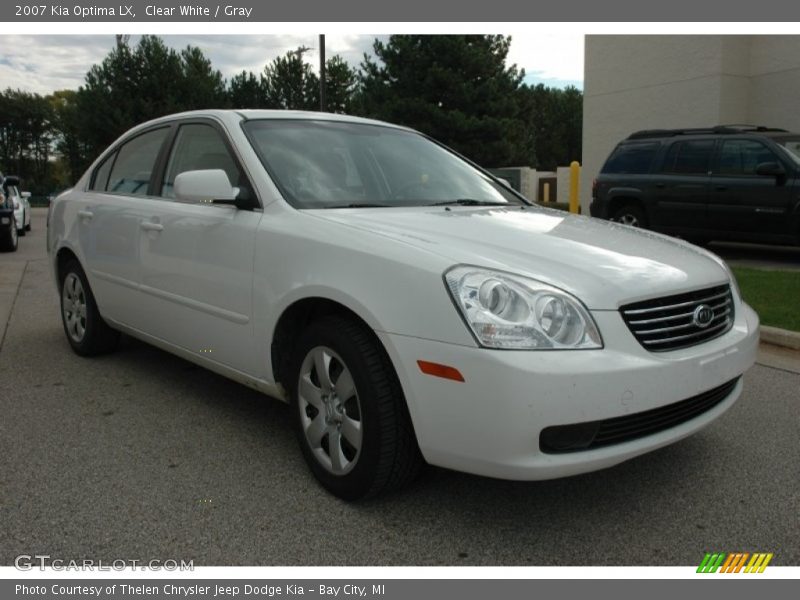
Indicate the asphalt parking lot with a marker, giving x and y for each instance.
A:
(141, 455)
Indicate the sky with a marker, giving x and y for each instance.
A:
(45, 63)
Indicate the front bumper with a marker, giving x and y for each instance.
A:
(491, 423)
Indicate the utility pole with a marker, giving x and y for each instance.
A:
(323, 101)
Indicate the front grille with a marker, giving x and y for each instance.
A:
(596, 434)
(671, 322)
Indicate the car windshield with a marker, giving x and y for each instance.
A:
(792, 148)
(329, 164)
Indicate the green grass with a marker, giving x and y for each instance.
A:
(775, 295)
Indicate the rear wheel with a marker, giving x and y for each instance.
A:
(11, 241)
(630, 214)
(352, 420)
(87, 332)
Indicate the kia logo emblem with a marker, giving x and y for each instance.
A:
(703, 315)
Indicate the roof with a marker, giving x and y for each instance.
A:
(716, 130)
(251, 114)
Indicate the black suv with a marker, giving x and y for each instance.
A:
(732, 182)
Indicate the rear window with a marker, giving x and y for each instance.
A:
(631, 158)
(689, 158)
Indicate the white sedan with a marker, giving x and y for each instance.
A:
(410, 306)
(22, 209)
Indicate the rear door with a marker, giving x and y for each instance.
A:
(108, 219)
(197, 259)
(681, 188)
(741, 200)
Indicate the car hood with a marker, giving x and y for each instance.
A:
(604, 264)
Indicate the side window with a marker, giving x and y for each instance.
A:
(197, 147)
(631, 158)
(101, 174)
(689, 158)
(135, 162)
(741, 157)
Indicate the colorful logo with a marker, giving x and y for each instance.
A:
(734, 562)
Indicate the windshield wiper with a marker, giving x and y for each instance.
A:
(469, 202)
(359, 205)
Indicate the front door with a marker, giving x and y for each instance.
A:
(744, 202)
(197, 259)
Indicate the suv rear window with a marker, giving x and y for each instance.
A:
(631, 158)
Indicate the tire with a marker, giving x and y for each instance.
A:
(28, 226)
(87, 332)
(11, 241)
(21, 231)
(380, 452)
(630, 214)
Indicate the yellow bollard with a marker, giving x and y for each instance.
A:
(546, 192)
(574, 178)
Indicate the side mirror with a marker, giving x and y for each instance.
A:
(209, 185)
(770, 169)
(25, 194)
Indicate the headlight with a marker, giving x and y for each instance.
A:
(513, 312)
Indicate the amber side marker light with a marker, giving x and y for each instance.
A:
(437, 370)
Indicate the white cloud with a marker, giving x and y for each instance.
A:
(549, 58)
(44, 63)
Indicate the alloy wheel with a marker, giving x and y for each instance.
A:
(73, 305)
(330, 410)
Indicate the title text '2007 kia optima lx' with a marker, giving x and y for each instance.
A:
(409, 306)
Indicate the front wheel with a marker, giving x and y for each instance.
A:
(352, 420)
(630, 214)
(87, 332)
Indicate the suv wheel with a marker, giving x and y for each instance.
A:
(87, 332)
(352, 420)
(630, 214)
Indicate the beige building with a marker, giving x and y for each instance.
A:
(650, 82)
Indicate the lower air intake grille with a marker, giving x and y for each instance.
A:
(595, 434)
(682, 320)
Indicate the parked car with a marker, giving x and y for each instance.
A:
(9, 237)
(28, 220)
(22, 208)
(407, 304)
(739, 183)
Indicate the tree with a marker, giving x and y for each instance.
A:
(340, 84)
(26, 134)
(245, 90)
(289, 83)
(201, 86)
(555, 119)
(69, 143)
(133, 85)
(456, 88)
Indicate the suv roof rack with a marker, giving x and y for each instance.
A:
(718, 130)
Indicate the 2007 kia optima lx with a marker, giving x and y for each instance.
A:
(408, 305)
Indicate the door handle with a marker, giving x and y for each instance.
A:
(85, 214)
(150, 226)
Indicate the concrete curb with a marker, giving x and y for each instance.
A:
(780, 337)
